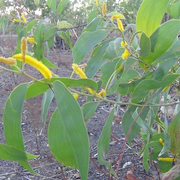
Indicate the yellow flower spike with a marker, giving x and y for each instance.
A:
(78, 71)
(75, 95)
(161, 141)
(23, 47)
(125, 54)
(123, 44)
(31, 40)
(17, 20)
(90, 90)
(97, 2)
(101, 93)
(167, 159)
(120, 25)
(166, 88)
(119, 16)
(24, 19)
(104, 8)
(120, 67)
(36, 64)
(8, 61)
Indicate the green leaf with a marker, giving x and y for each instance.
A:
(64, 24)
(89, 109)
(141, 123)
(96, 60)
(60, 142)
(47, 63)
(73, 121)
(145, 45)
(93, 25)
(171, 53)
(107, 70)
(175, 10)
(145, 158)
(12, 120)
(127, 122)
(92, 15)
(144, 86)
(113, 49)
(38, 51)
(38, 34)
(164, 68)
(161, 40)
(51, 4)
(150, 14)
(129, 74)
(173, 131)
(30, 25)
(62, 5)
(46, 101)
(86, 42)
(38, 88)
(13, 154)
(50, 33)
(103, 142)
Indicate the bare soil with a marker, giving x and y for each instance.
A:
(35, 133)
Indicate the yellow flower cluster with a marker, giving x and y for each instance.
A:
(8, 61)
(118, 18)
(36, 64)
(81, 73)
(120, 67)
(75, 95)
(31, 40)
(125, 54)
(23, 19)
(167, 159)
(120, 25)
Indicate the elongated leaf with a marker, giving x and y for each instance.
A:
(13, 154)
(38, 34)
(96, 60)
(145, 45)
(31, 24)
(62, 5)
(47, 63)
(104, 140)
(89, 109)
(64, 24)
(173, 131)
(38, 88)
(12, 120)
(164, 68)
(50, 33)
(161, 40)
(86, 42)
(173, 52)
(144, 86)
(60, 142)
(175, 10)
(127, 122)
(141, 123)
(73, 121)
(46, 101)
(107, 70)
(51, 4)
(92, 26)
(145, 158)
(150, 14)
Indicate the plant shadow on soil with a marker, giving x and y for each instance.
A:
(35, 133)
